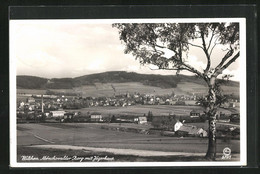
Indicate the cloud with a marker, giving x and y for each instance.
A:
(64, 48)
(195, 62)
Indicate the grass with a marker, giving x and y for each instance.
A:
(106, 89)
(82, 125)
(205, 125)
(140, 110)
(31, 91)
(91, 135)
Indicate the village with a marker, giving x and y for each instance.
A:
(56, 102)
(66, 109)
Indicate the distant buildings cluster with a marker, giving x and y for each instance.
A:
(41, 108)
(36, 106)
(123, 100)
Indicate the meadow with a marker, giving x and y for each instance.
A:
(110, 89)
(91, 135)
(31, 91)
(140, 110)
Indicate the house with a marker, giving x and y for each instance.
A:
(31, 107)
(125, 120)
(96, 117)
(177, 126)
(136, 120)
(21, 104)
(47, 114)
(57, 113)
(30, 100)
(189, 130)
(232, 105)
(196, 113)
(68, 115)
(170, 102)
(142, 120)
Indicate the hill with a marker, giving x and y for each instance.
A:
(108, 82)
(30, 82)
(123, 77)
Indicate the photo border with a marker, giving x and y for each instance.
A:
(243, 156)
(11, 89)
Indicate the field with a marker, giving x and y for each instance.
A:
(94, 140)
(219, 125)
(140, 110)
(192, 88)
(109, 89)
(31, 91)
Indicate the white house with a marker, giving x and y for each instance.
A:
(177, 126)
(142, 120)
(57, 113)
(96, 117)
(196, 113)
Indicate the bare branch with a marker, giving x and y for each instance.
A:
(180, 53)
(205, 49)
(203, 41)
(174, 51)
(231, 61)
(211, 38)
(194, 45)
(160, 46)
(190, 68)
(212, 49)
(219, 70)
(215, 43)
(224, 59)
(182, 64)
(176, 69)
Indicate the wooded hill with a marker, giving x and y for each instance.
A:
(162, 81)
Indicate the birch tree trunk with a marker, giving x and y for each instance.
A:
(211, 111)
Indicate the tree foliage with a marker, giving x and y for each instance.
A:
(149, 42)
(220, 98)
(150, 116)
(164, 122)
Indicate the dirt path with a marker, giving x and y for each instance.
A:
(134, 152)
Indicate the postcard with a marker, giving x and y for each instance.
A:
(128, 92)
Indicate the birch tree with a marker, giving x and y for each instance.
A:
(150, 42)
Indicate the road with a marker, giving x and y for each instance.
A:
(91, 135)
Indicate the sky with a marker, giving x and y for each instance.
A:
(71, 48)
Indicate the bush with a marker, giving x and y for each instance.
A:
(164, 122)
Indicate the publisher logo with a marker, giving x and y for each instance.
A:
(226, 153)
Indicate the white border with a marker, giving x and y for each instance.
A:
(243, 114)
